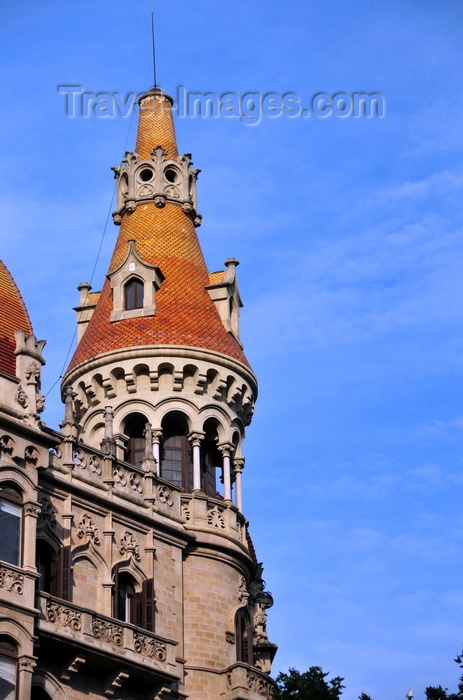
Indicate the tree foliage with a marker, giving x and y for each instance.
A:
(311, 685)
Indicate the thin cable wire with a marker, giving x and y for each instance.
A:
(96, 261)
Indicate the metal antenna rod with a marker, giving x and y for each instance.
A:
(154, 50)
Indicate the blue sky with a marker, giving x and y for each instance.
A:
(349, 233)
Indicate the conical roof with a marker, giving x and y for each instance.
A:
(13, 317)
(164, 237)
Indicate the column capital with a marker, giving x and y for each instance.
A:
(196, 437)
(226, 448)
(156, 435)
(238, 464)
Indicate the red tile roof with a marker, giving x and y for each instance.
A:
(13, 317)
(165, 237)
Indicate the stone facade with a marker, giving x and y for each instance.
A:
(128, 570)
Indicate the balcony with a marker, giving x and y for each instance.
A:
(75, 636)
(214, 516)
(244, 682)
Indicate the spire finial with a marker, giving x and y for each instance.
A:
(154, 49)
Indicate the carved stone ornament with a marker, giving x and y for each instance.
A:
(94, 465)
(26, 664)
(7, 445)
(259, 685)
(146, 646)
(87, 528)
(47, 514)
(165, 496)
(107, 632)
(21, 397)
(119, 476)
(32, 509)
(128, 545)
(79, 459)
(243, 593)
(64, 616)
(135, 483)
(215, 518)
(11, 581)
(230, 637)
(186, 512)
(40, 403)
(31, 455)
(32, 372)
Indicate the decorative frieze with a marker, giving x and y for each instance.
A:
(63, 616)
(259, 684)
(147, 646)
(107, 632)
(11, 580)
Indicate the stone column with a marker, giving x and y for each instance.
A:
(238, 465)
(196, 440)
(156, 437)
(226, 449)
(31, 513)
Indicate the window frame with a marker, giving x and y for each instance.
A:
(17, 502)
(135, 286)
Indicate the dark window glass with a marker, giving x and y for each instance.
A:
(134, 295)
(176, 463)
(243, 633)
(10, 527)
(8, 669)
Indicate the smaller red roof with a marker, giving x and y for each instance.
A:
(13, 317)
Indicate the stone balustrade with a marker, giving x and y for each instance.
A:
(120, 641)
(214, 516)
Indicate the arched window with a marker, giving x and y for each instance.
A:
(130, 606)
(176, 458)
(124, 601)
(8, 668)
(135, 430)
(10, 523)
(243, 634)
(133, 294)
(211, 460)
(45, 558)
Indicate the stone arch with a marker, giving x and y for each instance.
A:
(21, 481)
(190, 377)
(178, 405)
(19, 634)
(48, 683)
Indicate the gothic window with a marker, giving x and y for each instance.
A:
(176, 459)
(45, 558)
(8, 668)
(135, 430)
(10, 523)
(133, 294)
(124, 598)
(243, 633)
(60, 580)
(129, 606)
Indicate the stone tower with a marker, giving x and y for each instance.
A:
(147, 581)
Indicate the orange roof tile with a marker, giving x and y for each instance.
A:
(13, 317)
(165, 237)
(216, 277)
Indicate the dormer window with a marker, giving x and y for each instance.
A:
(133, 294)
(134, 285)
